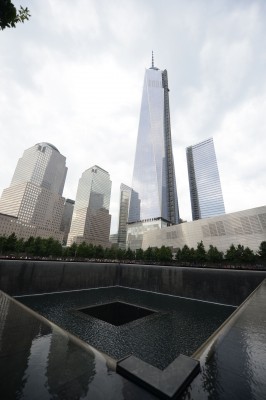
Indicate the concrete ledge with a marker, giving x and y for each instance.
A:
(167, 384)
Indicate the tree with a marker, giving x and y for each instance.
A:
(231, 254)
(11, 243)
(90, 251)
(178, 255)
(10, 16)
(29, 245)
(130, 255)
(214, 255)
(39, 246)
(82, 250)
(149, 254)
(121, 254)
(165, 254)
(110, 253)
(185, 254)
(2, 244)
(200, 253)
(139, 255)
(73, 250)
(248, 256)
(52, 247)
(262, 250)
(99, 252)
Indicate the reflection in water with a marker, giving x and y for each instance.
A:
(17, 332)
(76, 364)
(40, 361)
(35, 373)
(37, 361)
(235, 365)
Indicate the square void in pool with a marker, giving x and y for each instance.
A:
(117, 313)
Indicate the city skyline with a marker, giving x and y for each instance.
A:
(72, 76)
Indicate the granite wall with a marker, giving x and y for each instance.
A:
(217, 285)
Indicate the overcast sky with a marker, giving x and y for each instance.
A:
(72, 75)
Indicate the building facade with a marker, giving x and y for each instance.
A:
(204, 181)
(154, 195)
(247, 227)
(91, 219)
(125, 193)
(67, 218)
(34, 196)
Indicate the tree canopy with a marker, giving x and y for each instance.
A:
(50, 248)
(10, 16)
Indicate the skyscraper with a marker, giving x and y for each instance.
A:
(66, 218)
(154, 196)
(35, 193)
(125, 192)
(91, 219)
(204, 181)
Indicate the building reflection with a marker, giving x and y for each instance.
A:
(37, 360)
(78, 367)
(18, 330)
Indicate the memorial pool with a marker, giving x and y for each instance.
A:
(174, 325)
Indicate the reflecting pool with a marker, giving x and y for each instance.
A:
(176, 326)
(39, 361)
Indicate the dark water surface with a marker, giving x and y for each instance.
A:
(177, 326)
(39, 361)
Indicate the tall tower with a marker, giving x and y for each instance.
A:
(91, 219)
(154, 174)
(35, 193)
(154, 196)
(204, 181)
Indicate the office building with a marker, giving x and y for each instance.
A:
(125, 192)
(67, 218)
(153, 202)
(204, 181)
(91, 219)
(34, 196)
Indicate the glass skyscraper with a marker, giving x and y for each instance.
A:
(154, 195)
(204, 181)
(35, 193)
(91, 219)
(125, 193)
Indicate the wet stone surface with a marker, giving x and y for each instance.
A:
(179, 326)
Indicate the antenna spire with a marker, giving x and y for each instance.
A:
(152, 59)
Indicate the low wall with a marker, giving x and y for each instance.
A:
(217, 285)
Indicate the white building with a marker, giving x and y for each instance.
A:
(91, 219)
(34, 196)
(247, 227)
